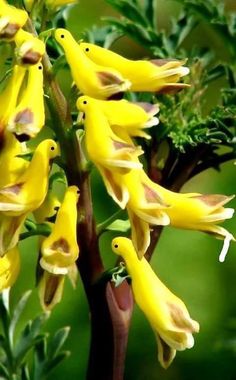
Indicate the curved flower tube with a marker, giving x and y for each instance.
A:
(166, 313)
(50, 289)
(91, 79)
(60, 249)
(28, 117)
(8, 97)
(133, 117)
(9, 268)
(29, 49)
(152, 76)
(104, 147)
(10, 228)
(29, 191)
(189, 211)
(11, 20)
(11, 165)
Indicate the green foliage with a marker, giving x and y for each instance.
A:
(46, 352)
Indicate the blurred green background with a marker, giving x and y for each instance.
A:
(186, 261)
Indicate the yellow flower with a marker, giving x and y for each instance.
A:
(133, 117)
(50, 289)
(48, 208)
(189, 211)
(11, 166)
(9, 95)
(9, 268)
(60, 249)
(10, 228)
(104, 147)
(29, 116)
(166, 313)
(29, 191)
(29, 49)
(91, 79)
(155, 75)
(11, 20)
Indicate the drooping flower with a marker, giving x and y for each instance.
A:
(29, 191)
(28, 117)
(9, 95)
(11, 20)
(10, 228)
(152, 76)
(188, 211)
(133, 117)
(11, 164)
(91, 79)
(166, 313)
(29, 49)
(104, 147)
(48, 208)
(60, 249)
(9, 268)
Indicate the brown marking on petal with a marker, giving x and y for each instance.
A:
(121, 145)
(108, 79)
(172, 88)
(162, 62)
(116, 188)
(213, 200)
(24, 117)
(61, 245)
(147, 107)
(9, 31)
(52, 284)
(179, 319)
(166, 351)
(31, 58)
(151, 195)
(14, 189)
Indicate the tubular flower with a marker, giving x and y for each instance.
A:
(11, 20)
(166, 313)
(8, 97)
(11, 165)
(189, 211)
(133, 117)
(153, 76)
(10, 228)
(29, 116)
(50, 289)
(60, 250)
(91, 79)
(9, 268)
(48, 208)
(104, 147)
(29, 191)
(29, 49)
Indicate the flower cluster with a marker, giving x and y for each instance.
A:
(110, 125)
(23, 184)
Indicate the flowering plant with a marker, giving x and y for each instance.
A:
(138, 123)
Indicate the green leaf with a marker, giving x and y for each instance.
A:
(57, 177)
(119, 225)
(56, 361)
(130, 11)
(17, 314)
(58, 341)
